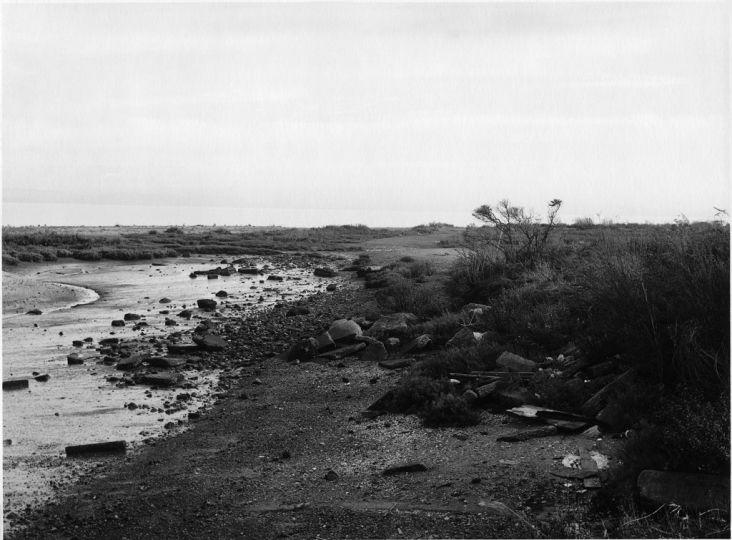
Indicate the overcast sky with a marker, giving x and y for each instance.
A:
(365, 110)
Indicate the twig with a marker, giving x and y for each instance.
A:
(644, 517)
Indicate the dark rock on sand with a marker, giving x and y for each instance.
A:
(166, 361)
(343, 330)
(206, 304)
(210, 342)
(74, 359)
(111, 447)
(401, 469)
(185, 314)
(15, 384)
(132, 317)
(118, 322)
(222, 294)
(130, 362)
(165, 300)
(325, 272)
(34, 312)
(160, 379)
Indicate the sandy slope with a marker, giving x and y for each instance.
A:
(22, 293)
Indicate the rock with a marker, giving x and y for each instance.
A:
(77, 343)
(394, 325)
(525, 434)
(514, 362)
(470, 397)
(42, 378)
(160, 379)
(325, 272)
(297, 310)
(193, 275)
(182, 348)
(111, 447)
(222, 294)
(118, 322)
(15, 384)
(417, 344)
(210, 342)
(109, 341)
(596, 403)
(331, 287)
(464, 337)
(343, 351)
(170, 322)
(343, 330)
(487, 390)
(165, 300)
(212, 276)
(392, 343)
(130, 362)
(185, 314)
(325, 342)
(374, 352)
(397, 363)
(331, 475)
(34, 312)
(166, 361)
(612, 416)
(689, 490)
(303, 350)
(250, 270)
(401, 469)
(275, 278)
(598, 370)
(206, 304)
(74, 359)
(132, 317)
(88, 340)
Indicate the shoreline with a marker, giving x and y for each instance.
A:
(23, 293)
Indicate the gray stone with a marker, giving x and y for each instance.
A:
(132, 317)
(464, 337)
(401, 469)
(118, 322)
(15, 384)
(394, 325)
(514, 362)
(343, 329)
(417, 344)
(74, 359)
(397, 363)
(166, 361)
(325, 272)
(210, 342)
(130, 362)
(161, 379)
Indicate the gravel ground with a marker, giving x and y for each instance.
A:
(254, 465)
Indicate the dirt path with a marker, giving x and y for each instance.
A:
(255, 466)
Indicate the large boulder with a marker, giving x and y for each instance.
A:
(206, 304)
(395, 325)
(344, 330)
(689, 490)
(130, 362)
(514, 362)
(210, 342)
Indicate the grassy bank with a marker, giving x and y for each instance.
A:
(651, 299)
(38, 244)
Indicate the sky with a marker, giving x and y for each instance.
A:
(377, 113)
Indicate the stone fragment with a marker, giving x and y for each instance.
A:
(417, 344)
(160, 379)
(74, 359)
(15, 384)
(401, 469)
(395, 325)
(118, 322)
(523, 435)
(166, 361)
(297, 310)
(222, 294)
(331, 287)
(34, 312)
(331, 475)
(132, 317)
(165, 300)
(111, 447)
(210, 342)
(130, 362)
(325, 272)
(464, 337)
(397, 363)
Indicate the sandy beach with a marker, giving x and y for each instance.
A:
(21, 294)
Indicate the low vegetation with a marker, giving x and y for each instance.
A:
(39, 244)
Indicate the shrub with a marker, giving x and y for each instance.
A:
(29, 256)
(520, 235)
(152, 231)
(402, 294)
(407, 259)
(477, 275)
(459, 359)
(440, 328)
(414, 392)
(64, 253)
(173, 230)
(448, 410)
(48, 255)
(583, 223)
(86, 254)
(663, 301)
(9, 260)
